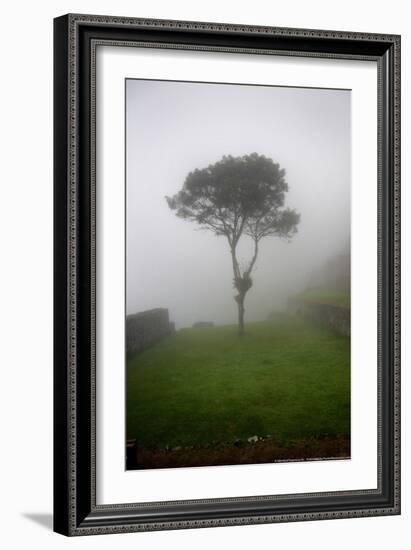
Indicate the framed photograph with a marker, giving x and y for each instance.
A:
(227, 274)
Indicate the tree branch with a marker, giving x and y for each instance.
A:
(254, 258)
(236, 267)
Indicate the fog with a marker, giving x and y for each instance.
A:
(173, 128)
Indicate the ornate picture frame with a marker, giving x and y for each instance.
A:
(76, 509)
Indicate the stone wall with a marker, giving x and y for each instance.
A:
(147, 328)
(337, 318)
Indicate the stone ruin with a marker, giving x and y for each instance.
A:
(146, 328)
(338, 318)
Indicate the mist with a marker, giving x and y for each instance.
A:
(173, 128)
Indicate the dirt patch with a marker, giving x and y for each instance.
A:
(260, 452)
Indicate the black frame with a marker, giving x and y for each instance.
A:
(75, 40)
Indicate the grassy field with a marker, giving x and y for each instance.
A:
(285, 377)
(321, 296)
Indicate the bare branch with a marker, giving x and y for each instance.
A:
(254, 258)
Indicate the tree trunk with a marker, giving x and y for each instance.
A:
(240, 303)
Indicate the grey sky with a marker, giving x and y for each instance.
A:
(175, 127)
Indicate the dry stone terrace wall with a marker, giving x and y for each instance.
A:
(335, 317)
(146, 328)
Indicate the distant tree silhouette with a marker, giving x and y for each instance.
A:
(238, 196)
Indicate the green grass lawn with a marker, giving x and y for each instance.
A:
(321, 296)
(285, 377)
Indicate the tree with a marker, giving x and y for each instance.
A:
(238, 196)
